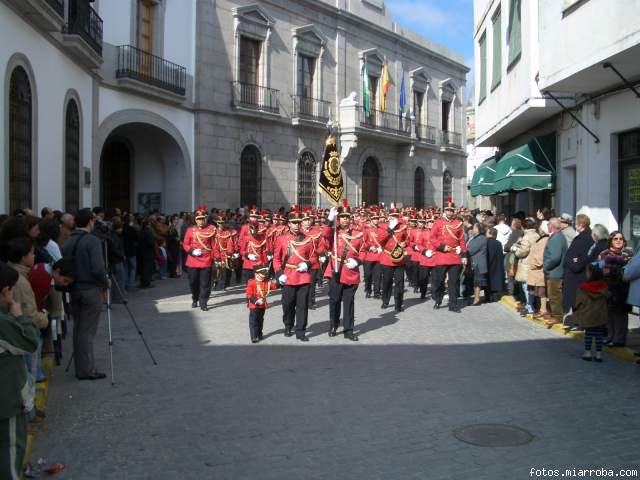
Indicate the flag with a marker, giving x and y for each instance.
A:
(366, 90)
(403, 96)
(331, 172)
(386, 84)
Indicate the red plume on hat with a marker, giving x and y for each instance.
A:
(344, 209)
(201, 211)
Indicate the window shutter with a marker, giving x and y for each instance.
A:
(483, 67)
(497, 49)
(515, 34)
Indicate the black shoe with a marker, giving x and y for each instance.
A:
(288, 332)
(260, 336)
(194, 304)
(384, 305)
(416, 290)
(367, 295)
(400, 309)
(351, 336)
(436, 305)
(423, 296)
(93, 376)
(333, 332)
(254, 340)
(455, 309)
(377, 296)
(304, 338)
(204, 308)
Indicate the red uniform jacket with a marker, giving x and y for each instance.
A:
(390, 241)
(259, 290)
(315, 234)
(256, 244)
(450, 234)
(424, 243)
(226, 244)
(352, 243)
(203, 239)
(289, 253)
(372, 244)
(414, 232)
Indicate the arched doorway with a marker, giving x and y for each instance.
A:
(447, 187)
(250, 176)
(370, 181)
(72, 158)
(307, 181)
(116, 176)
(418, 188)
(20, 140)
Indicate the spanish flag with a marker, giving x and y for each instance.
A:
(386, 85)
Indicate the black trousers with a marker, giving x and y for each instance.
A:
(341, 298)
(372, 277)
(224, 279)
(200, 284)
(256, 322)
(437, 283)
(238, 272)
(411, 268)
(311, 299)
(393, 277)
(295, 307)
(424, 275)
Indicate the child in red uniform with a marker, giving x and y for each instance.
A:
(258, 289)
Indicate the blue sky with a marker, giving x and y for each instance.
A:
(446, 22)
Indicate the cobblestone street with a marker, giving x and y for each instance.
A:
(384, 408)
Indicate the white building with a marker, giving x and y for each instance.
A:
(584, 53)
(476, 156)
(91, 117)
(144, 104)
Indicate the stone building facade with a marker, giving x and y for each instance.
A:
(271, 74)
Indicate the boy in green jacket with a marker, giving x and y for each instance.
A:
(18, 337)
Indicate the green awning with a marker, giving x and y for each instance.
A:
(528, 167)
(482, 182)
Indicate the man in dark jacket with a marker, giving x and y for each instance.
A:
(87, 293)
(495, 262)
(575, 262)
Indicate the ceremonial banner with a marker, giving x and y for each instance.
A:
(331, 172)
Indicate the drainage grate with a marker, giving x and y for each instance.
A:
(493, 435)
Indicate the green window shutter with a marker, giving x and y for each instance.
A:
(483, 67)
(515, 31)
(497, 50)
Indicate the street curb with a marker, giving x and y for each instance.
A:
(621, 352)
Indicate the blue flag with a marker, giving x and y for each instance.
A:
(403, 98)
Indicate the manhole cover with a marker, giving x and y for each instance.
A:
(493, 435)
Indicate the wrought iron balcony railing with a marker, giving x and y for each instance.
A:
(451, 139)
(57, 5)
(139, 65)
(310, 108)
(386, 121)
(426, 133)
(255, 97)
(85, 21)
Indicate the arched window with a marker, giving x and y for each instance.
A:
(418, 188)
(72, 158)
(250, 176)
(447, 187)
(20, 140)
(307, 180)
(370, 181)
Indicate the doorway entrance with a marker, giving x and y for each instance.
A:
(629, 157)
(116, 176)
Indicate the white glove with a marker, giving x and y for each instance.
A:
(282, 279)
(252, 257)
(415, 248)
(322, 259)
(236, 255)
(302, 268)
(458, 250)
(269, 257)
(333, 213)
(259, 301)
(513, 248)
(428, 253)
(379, 250)
(351, 264)
(393, 223)
(197, 252)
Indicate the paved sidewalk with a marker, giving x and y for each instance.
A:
(218, 407)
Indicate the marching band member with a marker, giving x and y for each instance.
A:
(258, 289)
(393, 239)
(372, 269)
(199, 243)
(253, 248)
(227, 247)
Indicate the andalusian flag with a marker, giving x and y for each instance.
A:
(366, 90)
(386, 85)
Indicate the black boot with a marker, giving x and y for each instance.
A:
(333, 332)
(351, 336)
(194, 304)
(288, 332)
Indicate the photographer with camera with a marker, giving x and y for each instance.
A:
(87, 292)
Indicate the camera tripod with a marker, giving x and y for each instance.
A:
(111, 280)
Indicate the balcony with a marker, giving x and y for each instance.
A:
(83, 32)
(426, 134)
(254, 98)
(146, 73)
(46, 14)
(451, 139)
(385, 122)
(310, 111)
